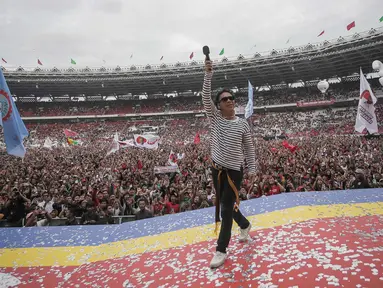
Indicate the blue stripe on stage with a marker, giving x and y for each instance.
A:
(99, 234)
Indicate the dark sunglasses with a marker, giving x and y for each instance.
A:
(225, 99)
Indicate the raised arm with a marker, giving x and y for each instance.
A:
(206, 91)
(249, 150)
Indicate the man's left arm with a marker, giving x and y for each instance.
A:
(249, 150)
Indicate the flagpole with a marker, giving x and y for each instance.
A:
(250, 122)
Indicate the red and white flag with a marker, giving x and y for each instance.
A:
(127, 143)
(350, 26)
(70, 133)
(172, 159)
(366, 118)
(146, 141)
(289, 146)
(115, 145)
(197, 139)
(140, 165)
(321, 33)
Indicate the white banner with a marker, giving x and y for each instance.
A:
(48, 143)
(165, 169)
(146, 141)
(115, 145)
(127, 143)
(366, 117)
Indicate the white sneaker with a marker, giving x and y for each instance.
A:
(244, 234)
(218, 259)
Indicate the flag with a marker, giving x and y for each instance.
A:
(1, 117)
(366, 117)
(13, 126)
(162, 57)
(39, 62)
(180, 156)
(146, 141)
(222, 51)
(351, 25)
(321, 33)
(172, 159)
(191, 55)
(381, 19)
(48, 143)
(70, 133)
(2, 59)
(72, 142)
(140, 165)
(292, 148)
(249, 109)
(127, 143)
(72, 61)
(197, 139)
(115, 145)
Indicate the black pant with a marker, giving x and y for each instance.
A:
(227, 200)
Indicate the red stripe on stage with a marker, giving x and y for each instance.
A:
(318, 252)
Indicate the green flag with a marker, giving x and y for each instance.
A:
(72, 61)
(381, 19)
(222, 51)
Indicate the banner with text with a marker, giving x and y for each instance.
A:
(146, 141)
(316, 103)
(165, 169)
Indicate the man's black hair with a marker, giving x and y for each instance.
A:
(216, 102)
(141, 199)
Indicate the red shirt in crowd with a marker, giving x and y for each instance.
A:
(275, 189)
(172, 208)
(157, 209)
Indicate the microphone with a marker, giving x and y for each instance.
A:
(206, 52)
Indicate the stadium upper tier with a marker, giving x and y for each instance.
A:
(340, 58)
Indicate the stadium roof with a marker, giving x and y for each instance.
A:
(340, 57)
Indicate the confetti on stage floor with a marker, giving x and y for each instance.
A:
(336, 241)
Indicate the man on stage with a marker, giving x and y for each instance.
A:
(230, 135)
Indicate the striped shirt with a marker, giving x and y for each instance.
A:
(229, 138)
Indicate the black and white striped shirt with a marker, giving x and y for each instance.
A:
(229, 138)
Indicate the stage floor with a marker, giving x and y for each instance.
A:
(316, 239)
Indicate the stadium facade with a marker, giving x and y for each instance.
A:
(277, 69)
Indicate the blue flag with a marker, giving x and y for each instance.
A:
(249, 107)
(1, 117)
(13, 127)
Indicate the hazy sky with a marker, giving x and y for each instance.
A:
(90, 31)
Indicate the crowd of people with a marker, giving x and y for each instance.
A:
(336, 121)
(192, 103)
(296, 152)
(85, 185)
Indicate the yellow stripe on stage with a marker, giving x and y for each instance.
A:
(78, 255)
